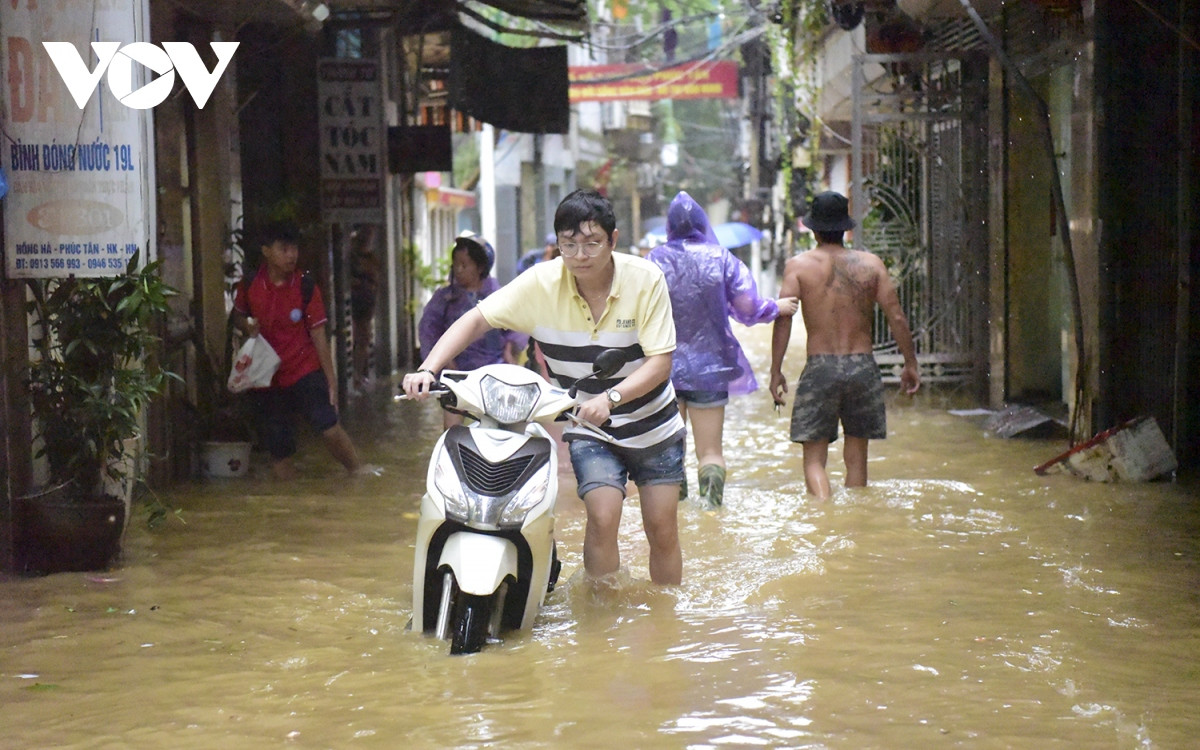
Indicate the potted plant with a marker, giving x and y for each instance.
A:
(222, 420)
(94, 373)
(211, 421)
(221, 431)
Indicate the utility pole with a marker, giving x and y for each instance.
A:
(755, 55)
(539, 198)
(635, 206)
(487, 181)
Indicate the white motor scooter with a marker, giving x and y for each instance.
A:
(485, 552)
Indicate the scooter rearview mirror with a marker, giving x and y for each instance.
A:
(608, 363)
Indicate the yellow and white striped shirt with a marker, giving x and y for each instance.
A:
(545, 303)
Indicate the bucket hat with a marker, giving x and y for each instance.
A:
(829, 213)
(476, 245)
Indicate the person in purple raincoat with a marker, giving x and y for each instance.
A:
(471, 262)
(709, 285)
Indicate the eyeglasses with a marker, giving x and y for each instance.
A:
(589, 249)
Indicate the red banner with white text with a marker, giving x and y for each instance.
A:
(626, 81)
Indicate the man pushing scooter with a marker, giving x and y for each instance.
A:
(575, 306)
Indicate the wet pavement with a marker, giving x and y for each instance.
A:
(958, 601)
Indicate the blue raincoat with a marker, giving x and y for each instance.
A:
(708, 286)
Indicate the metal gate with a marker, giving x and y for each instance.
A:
(919, 197)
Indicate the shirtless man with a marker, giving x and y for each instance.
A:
(838, 289)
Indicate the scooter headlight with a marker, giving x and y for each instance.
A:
(526, 499)
(446, 480)
(506, 403)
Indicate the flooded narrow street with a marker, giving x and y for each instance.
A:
(958, 601)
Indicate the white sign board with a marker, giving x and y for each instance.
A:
(78, 201)
(353, 138)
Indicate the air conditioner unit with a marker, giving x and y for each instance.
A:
(638, 108)
(613, 115)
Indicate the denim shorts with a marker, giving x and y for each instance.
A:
(703, 399)
(277, 408)
(599, 464)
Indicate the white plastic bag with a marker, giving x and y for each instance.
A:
(254, 366)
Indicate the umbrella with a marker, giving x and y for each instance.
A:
(736, 234)
(655, 225)
(654, 238)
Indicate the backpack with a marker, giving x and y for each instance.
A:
(307, 285)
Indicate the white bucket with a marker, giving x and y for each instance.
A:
(219, 459)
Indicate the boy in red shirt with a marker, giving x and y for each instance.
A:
(271, 303)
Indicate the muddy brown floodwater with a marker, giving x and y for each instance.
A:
(958, 601)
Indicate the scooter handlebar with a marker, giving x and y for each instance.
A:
(579, 421)
(436, 390)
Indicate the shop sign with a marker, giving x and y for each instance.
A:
(78, 202)
(633, 81)
(353, 140)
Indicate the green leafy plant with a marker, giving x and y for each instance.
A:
(157, 509)
(96, 371)
(427, 275)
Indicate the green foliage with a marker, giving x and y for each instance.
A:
(429, 275)
(158, 510)
(95, 373)
(803, 25)
(709, 146)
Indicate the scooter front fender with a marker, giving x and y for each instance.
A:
(480, 561)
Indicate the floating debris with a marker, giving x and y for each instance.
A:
(1134, 451)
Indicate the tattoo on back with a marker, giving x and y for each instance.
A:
(850, 278)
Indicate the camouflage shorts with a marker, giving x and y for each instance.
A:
(834, 387)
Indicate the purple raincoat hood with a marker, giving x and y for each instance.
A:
(687, 222)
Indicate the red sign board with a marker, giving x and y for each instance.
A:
(605, 83)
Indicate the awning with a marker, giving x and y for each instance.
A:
(557, 19)
(523, 90)
(926, 9)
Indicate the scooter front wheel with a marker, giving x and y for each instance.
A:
(469, 624)
(555, 568)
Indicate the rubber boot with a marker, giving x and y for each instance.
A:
(711, 481)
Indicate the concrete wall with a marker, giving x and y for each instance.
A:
(197, 178)
(1080, 172)
(1146, 181)
(1034, 298)
(1041, 359)
(15, 454)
